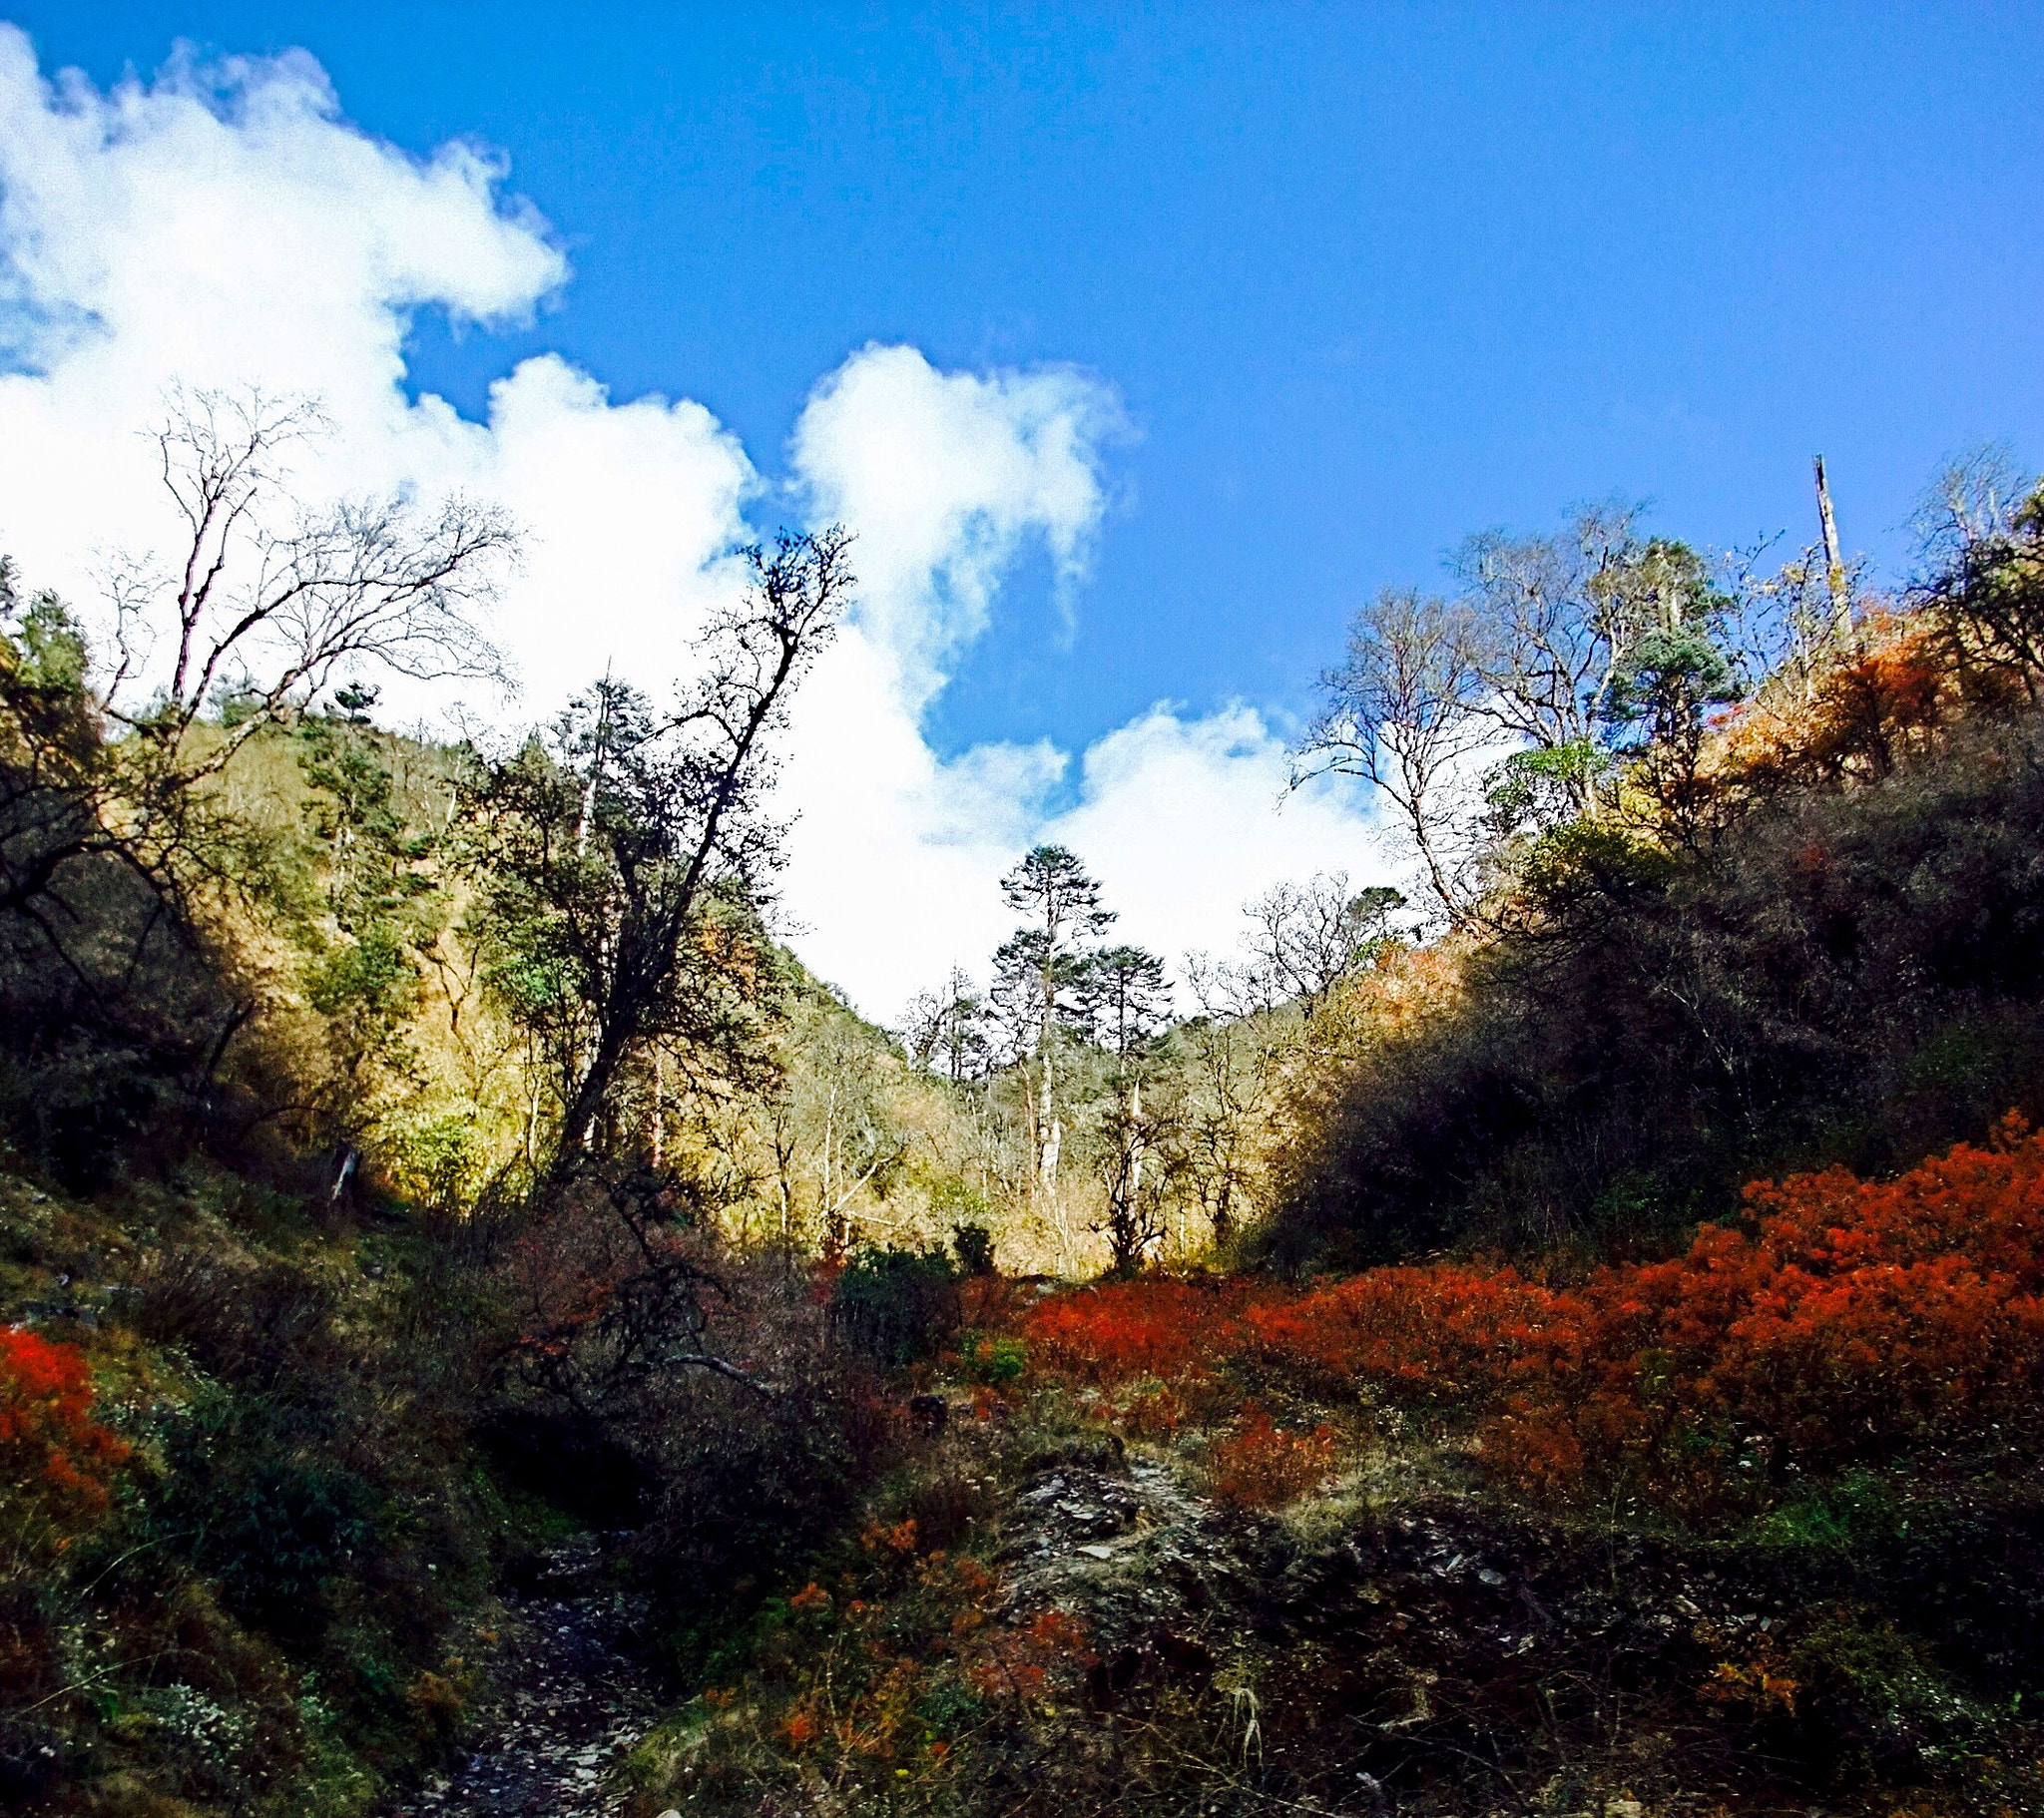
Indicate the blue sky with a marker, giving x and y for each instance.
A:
(1365, 277)
(1138, 346)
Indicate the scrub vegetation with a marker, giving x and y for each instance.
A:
(1561, 1336)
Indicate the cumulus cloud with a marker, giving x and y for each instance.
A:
(1184, 817)
(224, 224)
(947, 475)
(948, 478)
(1181, 817)
(632, 515)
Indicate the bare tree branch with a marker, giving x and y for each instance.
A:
(1407, 712)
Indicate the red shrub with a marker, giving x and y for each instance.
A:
(55, 1460)
(1853, 1322)
(1128, 1329)
(1863, 1315)
(1259, 1464)
(1442, 1331)
(1856, 1321)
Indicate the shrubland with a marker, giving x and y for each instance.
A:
(1755, 1521)
(1631, 1400)
(1568, 1341)
(1789, 931)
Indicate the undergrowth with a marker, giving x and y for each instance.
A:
(1755, 1522)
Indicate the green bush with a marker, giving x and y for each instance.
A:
(897, 1305)
(258, 1503)
(973, 1243)
(989, 1358)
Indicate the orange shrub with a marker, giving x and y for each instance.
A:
(1260, 1464)
(55, 1459)
(898, 1539)
(1441, 1331)
(1128, 1329)
(1864, 1315)
(1866, 711)
(1856, 1321)
(1046, 1654)
(811, 1600)
(1852, 1322)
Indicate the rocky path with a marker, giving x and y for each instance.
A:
(571, 1706)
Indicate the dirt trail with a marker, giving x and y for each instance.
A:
(571, 1704)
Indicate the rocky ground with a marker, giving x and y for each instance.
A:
(570, 1705)
(1417, 1651)
(1426, 1654)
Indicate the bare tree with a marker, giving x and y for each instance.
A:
(1132, 1217)
(947, 1029)
(269, 598)
(1780, 622)
(1556, 615)
(1838, 581)
(276, 597)
(1304, 939)
(1230, 1074)
(1407, 711)
(1235, 1053)
(855, 1141)
(1981, 534)
(1972, 500)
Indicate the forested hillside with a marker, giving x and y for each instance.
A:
(1560, 1334)
(1771, 924)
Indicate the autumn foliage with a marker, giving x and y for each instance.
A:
(1848, 1322)
(55, 1459)
(1124, 1330)
(1260, 1464)
(1434, 1333)
(922, 1653)
(1863, 714)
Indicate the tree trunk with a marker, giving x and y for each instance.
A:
(659, 1094)
(1050, 1133)
(1835, 565)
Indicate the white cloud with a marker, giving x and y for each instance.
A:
(946, 475)
(947, 478)
(224, 225)
(632, 513)
(1184, 818)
